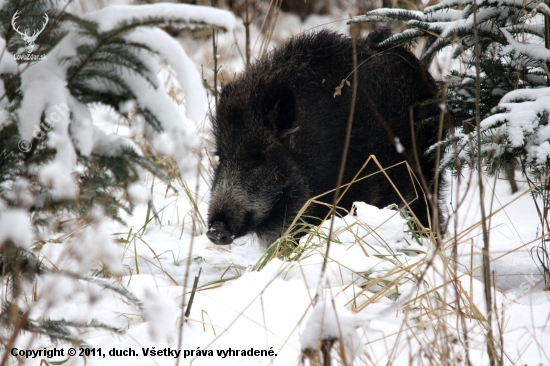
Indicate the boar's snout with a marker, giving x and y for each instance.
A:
(219, 235)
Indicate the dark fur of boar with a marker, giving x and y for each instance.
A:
(279, 132)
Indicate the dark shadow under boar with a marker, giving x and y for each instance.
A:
(280, 130)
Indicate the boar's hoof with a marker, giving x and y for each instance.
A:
(219, 235)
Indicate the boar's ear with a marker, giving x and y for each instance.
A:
(280, 108)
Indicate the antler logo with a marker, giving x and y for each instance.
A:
(29, 40)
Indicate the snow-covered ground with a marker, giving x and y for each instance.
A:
(237, 308)
(377, 294)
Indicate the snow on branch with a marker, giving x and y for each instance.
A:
(186, 73)
(184, 15)
(111, 56)
(520, 123)
(524, 122)
(543, 8)
(529, 49)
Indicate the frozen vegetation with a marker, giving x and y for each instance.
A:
(120, 277)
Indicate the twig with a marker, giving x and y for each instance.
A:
(486, 264)
(192, 297)
(344, 155)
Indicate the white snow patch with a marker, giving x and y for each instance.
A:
(110, 17)
(15, 225)
(110, 145)
(138, 193)
(398, 147)
(329, 322)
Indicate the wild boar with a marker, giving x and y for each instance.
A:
(280, 128)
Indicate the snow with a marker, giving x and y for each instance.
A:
(159, 311)
(110, 17)
(138, 193)
(57, 174)
(537, 52)
(369, 297)
(43, 85)
(81, 128)
(543, 8)
(19, 193)
(110, 145)
(69, 125)
(15, 226)
(186, 73)
(83, 251)
(329, 322)
(520, 123)
(273, 309)
(398, 147)
(451, 17)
